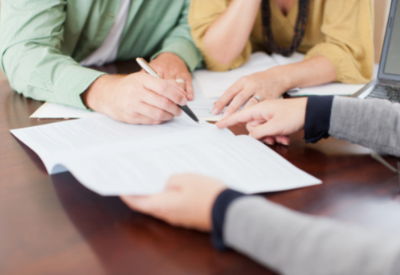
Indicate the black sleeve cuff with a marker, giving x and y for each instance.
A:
(218, 216)
(318, 118)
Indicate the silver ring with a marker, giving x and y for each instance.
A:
(180, 80)
(257, 98)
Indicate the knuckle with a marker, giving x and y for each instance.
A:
(163, 86)
(165, 103)
(160, 115)
(241, 97)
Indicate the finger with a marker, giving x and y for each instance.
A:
(181, 85)
(144, 204)
(140, 119)
(238, 101)
(162, 103)
(154, 112)
(285, 140)
(164, 88)
(246, 115)
(268, 140)
(251, 102)
(268, 129)
(160, 68)
(250, 125)
(227, 97)
(189, 87)
(176, 85)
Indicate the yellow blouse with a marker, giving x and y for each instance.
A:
(340, 30)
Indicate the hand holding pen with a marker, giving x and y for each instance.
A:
(145, 66)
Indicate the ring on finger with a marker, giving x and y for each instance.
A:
(256, 97)
(180, 80)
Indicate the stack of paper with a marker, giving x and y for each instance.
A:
(113, 158)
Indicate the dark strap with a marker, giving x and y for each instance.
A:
(299, 30)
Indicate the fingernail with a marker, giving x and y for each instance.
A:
(183, 101)
(225, 114)
(215, 111)
(269, 142)
(285, 143)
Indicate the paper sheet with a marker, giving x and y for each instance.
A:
(56, 111)
(240, 162)
(332, 88)
(113, 158)
(328, 89)
(214, 84)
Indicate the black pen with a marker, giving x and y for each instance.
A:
(145, 66)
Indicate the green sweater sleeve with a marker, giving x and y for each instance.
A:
(31, 57)
(179, 41)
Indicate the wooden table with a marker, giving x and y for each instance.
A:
(54, 225)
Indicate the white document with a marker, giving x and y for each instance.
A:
(328, 89)
(55, 111)
(214, 84)
(203, 106)
(113, 158)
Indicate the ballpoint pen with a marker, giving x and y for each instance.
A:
(145, 66)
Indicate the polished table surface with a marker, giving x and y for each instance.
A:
(54, 225)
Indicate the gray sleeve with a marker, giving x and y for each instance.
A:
(372, 123)
(293, 243)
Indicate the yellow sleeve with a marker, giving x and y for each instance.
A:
(201, 15)
(348, 43)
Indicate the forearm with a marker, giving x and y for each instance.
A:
(372, 123)
(293, 243)
(31, 55)
(311, 72)
(232, 28)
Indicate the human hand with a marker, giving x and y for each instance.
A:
(187, 201)
(271, 119)
(269, 84)
(171, 66)
(138, 98)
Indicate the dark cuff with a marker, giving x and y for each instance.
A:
(221, 204)
(318, 117)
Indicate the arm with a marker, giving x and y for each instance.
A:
(344, 55)
(278, 238)
(232, 28)
(35, 66)
(293, 243)
(211, 19)
(348, 42)
(30, 42)
(372, 123)
(272, 83)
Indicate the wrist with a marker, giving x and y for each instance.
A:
(96, 95)
(219, 209)
(287, 79)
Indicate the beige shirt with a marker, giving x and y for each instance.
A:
(340, 30)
